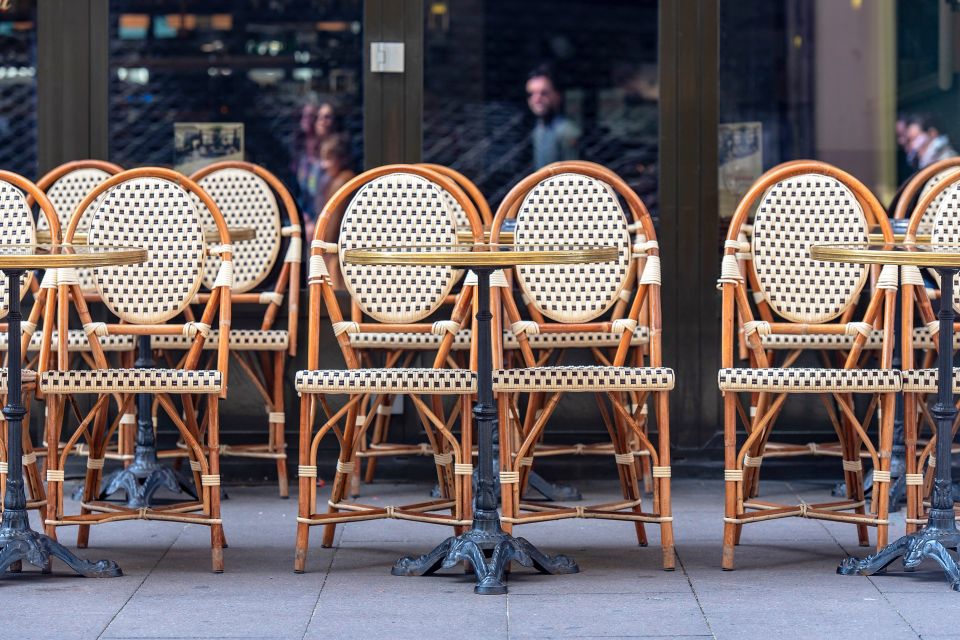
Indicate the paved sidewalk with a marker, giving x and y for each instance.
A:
(785, 586)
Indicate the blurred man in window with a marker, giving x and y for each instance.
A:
(554, 136)
(926, 143)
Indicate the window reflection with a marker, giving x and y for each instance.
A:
(18, 88)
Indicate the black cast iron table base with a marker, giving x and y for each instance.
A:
(940, 534)
(488, 550)
(18, 542)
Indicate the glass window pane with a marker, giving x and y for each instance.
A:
(512, 86)
(268, 66)
(18, 88)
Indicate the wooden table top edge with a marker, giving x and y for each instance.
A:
(505, 257)
(103, 257)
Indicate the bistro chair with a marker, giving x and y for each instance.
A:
(572, 300)
(150, 208)
(601, 345)
(388, 206)
(796, 206)
(938, 213)
(407, 346)
(250, 196)
(19, 228)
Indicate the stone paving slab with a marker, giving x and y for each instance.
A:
(785, 584)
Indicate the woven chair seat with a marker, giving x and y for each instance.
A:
(819, 341)
(26, 375)
(240, 340)
(577, 339)
(583, 379)
(925, 380)
(77, 342)
(132, 381)
(412, 341)
(400, 380)
(923, 339)
(809, 380)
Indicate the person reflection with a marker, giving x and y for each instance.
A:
(924, 141)
(311, 176)
(554, 137)
(335, 163)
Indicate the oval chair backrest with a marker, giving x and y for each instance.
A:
(792, 215)
(946, 226)
(579, 210)
(245, 200)
(463, 222)
(158, 215)
(397, 209)
(929, 216)
(69, 191)
(16, 228)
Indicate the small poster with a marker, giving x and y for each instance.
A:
(197, 144)
(740, 160)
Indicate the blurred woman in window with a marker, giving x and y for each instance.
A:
(335, 162)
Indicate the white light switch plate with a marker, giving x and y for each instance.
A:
(386, 57)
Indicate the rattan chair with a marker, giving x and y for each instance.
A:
(798, 205)
(404, 347)
(936, 213)
(571, 300)
(16, 195)
(601, 345)
(150, 208)
(391, 205)
(250, 196)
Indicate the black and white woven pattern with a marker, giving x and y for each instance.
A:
(157, 215)
(819, 341)
(794, 214)
(412, 341)
(584, 379)
(69, 191)
(925, 380)
(579, 339)
(16, 227)
(132, 381)
(240, 340)
(245, 200)
(400, 380)
(463, 222)
(77, 342)
(923, 339)
(572, 209)
(397, 209)
(946, 228)
(801, 380)
(26, 375)
(930, 214)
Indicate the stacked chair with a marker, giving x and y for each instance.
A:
(576, 204)
(152, 208)
(797, 205)
(391, 205)
(18, 228)
(251, 196)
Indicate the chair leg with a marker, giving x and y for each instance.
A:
(853, 478)
(342, 478)
(278, 435)
(304, 503)
(91, 485)
(881, 491)
(217, 539)
(730, 485)
(914, 496)
(664, 504)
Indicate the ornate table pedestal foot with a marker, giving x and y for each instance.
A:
(489, 551)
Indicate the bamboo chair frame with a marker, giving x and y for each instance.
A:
(452, 457)
(625, 419)
(738, 316)
(264, 368)
(920, 453)
(43, 312)
(204, 459)
(377, 445)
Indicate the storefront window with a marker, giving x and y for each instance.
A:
(18, 87)
(509, 87)
(276, 83)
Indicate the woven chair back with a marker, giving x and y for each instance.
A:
(578, 210)
(69, 190)
(246, 200)
(930, 214)
(397, 209)
(16, 228)
(159, 215)
(945, 225)
(792, 215)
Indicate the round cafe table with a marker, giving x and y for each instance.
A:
(940, 534)
(210, 234)
(18, 541)
(485, 546)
